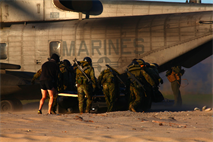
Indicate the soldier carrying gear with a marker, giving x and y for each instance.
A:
(66, 77)
(143, 65)
(138, 96)
(174, 76)
(84, 87)
(152, 79)
(154, 67)
(110, 83)
(153, 70)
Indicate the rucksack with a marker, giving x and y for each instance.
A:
(108, 77)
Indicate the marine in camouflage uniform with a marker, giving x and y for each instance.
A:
(174, 76)
(139, 98)
(151, 83)
(110, 86)
(65, 77)
(152, 70)
(84, 88)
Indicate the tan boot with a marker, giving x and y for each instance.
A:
(132, 108)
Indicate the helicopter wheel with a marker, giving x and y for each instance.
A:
(7, 105)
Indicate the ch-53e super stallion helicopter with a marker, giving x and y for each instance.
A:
(113, 32)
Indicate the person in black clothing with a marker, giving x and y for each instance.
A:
(48, 81)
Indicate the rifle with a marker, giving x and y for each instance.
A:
(114, 72)
(135, 79)
(80, 68)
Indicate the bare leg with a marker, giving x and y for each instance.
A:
(52, 93)
(44, 96)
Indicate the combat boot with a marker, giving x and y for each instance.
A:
(86, 111)
(52, 112)
(132, 108)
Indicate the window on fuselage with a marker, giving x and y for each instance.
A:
(3, 51)
(55, 47)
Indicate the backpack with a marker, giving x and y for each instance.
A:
(136, 71)
(108, 77)
(173, 77)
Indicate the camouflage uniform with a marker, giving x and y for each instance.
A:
(110, 85)
(36, 76)
(154, 74)
(138, 96)
(150, 79)
(65, 78)
(84, 88)
(176, 73)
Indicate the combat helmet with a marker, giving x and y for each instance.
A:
(88, 59)
(141, 62)
(67, 63)
(134, 66)
(156, 65)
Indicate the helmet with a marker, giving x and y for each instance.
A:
(55, 57)
(156, 65)
(66, 63)
(141, 61)
(134, 63)
(134, 66)
(88, 59)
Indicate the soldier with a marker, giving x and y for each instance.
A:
(36, 76)
(153, 70)
(65, 77)
(139, 96)
(174, 76)
(66, 80)
(110, 83)
(154, 66)
(148, 75)
(84, 87)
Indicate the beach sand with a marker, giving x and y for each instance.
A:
(124, 126)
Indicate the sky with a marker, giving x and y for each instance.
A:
(202, 1)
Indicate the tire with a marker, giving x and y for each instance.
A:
(7, 105)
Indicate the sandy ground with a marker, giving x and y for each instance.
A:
(159, 124)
